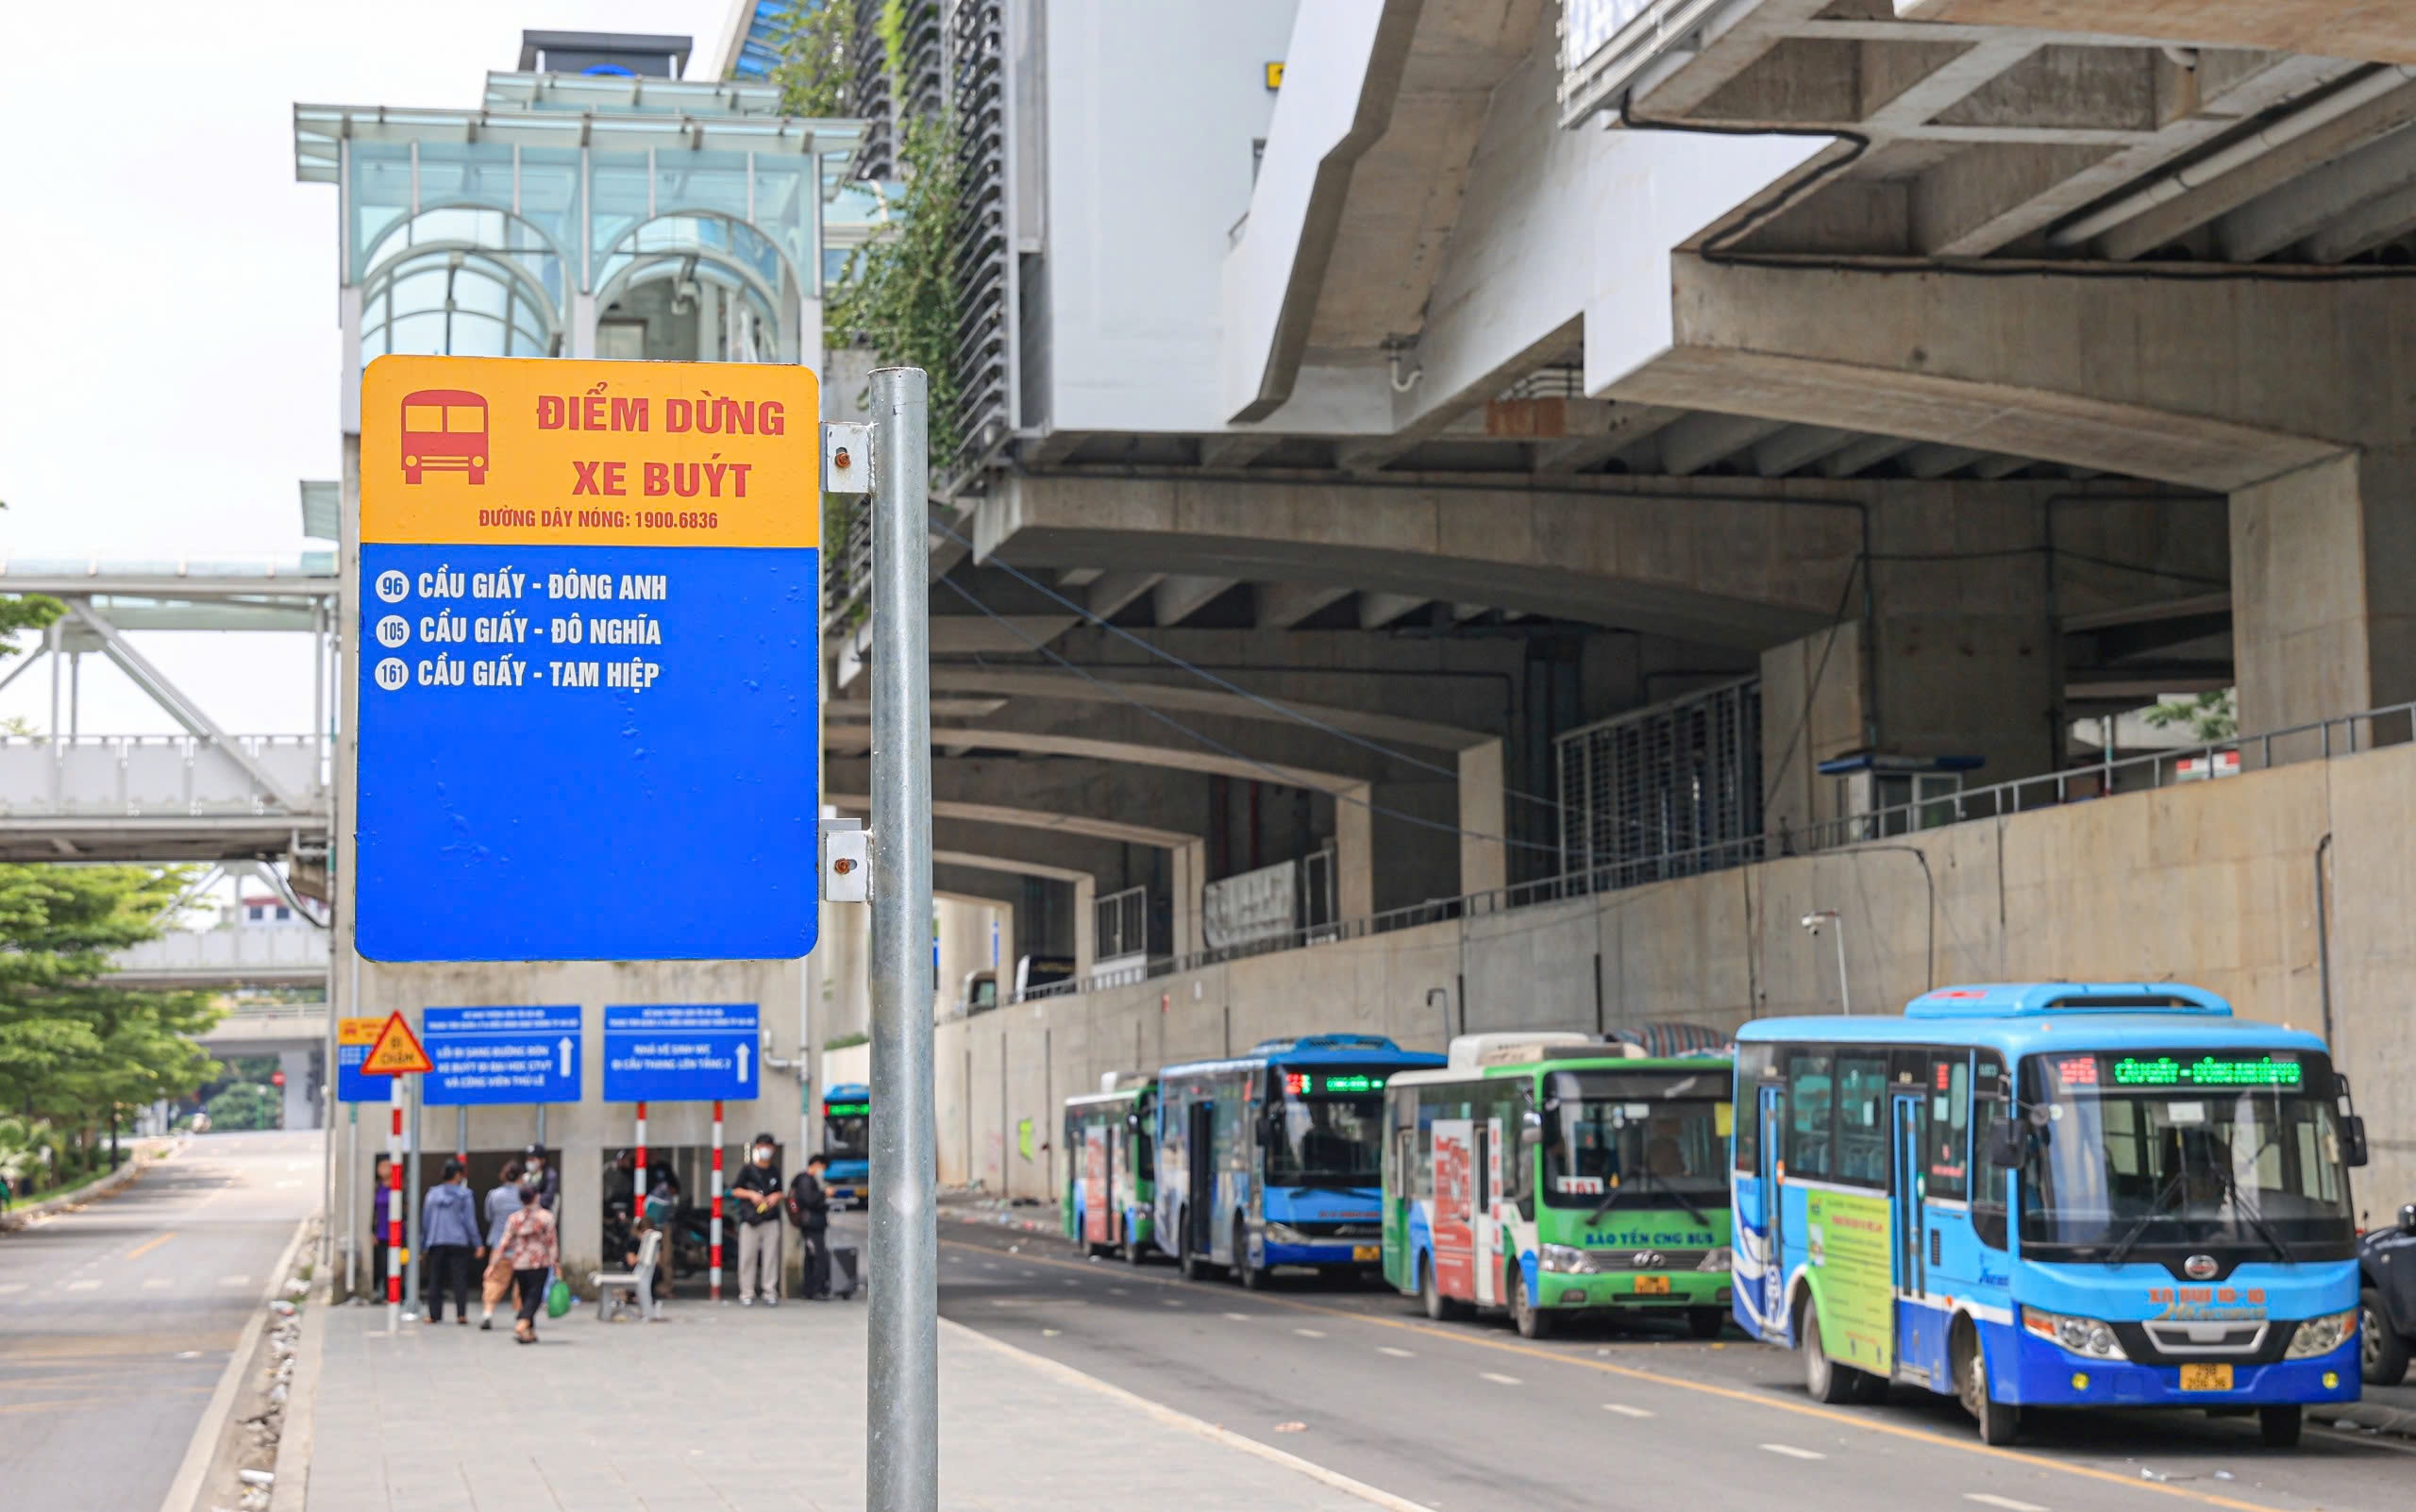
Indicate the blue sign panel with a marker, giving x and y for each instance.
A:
(351, 1086)
(588, 633)
(680, 1053)
(514, 1054)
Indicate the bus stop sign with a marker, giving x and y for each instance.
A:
(589, 717)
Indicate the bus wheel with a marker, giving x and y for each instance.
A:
(1438, 1307)
(1531, 1320)
(2382, 1355)
(1252, 1277)
(2280, 1425)
(1706, 1322)
(1827, 1380)
(2000, 1423)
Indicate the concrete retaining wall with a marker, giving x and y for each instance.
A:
(2213, 883)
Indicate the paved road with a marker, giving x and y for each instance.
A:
(1469, 1415)
(116, 1322)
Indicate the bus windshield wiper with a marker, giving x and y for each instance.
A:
(2248, 1210)
(2122, 1247)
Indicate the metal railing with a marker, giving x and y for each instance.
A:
(162, 775)
(2320, 740)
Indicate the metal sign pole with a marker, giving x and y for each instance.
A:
(395, 1206)
(716, 1215)
(901, 1452)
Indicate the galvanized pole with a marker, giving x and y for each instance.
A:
(1845, 998)
(901, 1451)
(411, 1236)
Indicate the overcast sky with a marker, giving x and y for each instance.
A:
(168, 342)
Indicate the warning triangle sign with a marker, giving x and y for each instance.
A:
(397, 1051)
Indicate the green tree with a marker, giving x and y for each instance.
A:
(73, 1048)
(899, 294)
(2210, 716)
(817, 57)
(246, 1105)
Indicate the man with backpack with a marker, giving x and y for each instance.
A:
(757, 1194)
(810, 1210)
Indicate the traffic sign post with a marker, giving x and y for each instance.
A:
(590, 640)
(394, 1054)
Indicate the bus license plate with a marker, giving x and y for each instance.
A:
(1366, 1251)
(1652, 1285)
(2206, 1378)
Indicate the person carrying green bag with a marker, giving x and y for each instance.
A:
(532, 1247)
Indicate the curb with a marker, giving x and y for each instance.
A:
(2366, 1417)
(292, 1466)
(1002, 1218)
(185, 1490)
(109, 1185)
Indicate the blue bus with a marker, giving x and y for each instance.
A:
(846, 1125)
(2051, 1194)
(1275, 1158)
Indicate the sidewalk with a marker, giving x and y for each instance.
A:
(738, 1410)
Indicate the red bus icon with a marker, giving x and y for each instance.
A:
(445, 430)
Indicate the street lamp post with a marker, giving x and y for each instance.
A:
(1828, 918)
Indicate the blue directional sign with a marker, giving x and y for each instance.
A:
(353, 1039)
(588, 645)
(680, 1053)
(510, 1054)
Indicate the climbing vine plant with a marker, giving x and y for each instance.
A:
(898, 295)
(817, 38)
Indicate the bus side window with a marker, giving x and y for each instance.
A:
(1949, 1166)
(1807, 1104)
(1518, 1157)
(1989, 1088)
(1862, 1134)
(1753, 1064)
(1224, 1150)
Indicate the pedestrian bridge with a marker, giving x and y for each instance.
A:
(163, 798)
(282, 956)
(262, 1029)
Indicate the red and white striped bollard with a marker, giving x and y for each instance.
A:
(717, 1218)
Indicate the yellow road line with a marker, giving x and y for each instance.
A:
(1731, 1393)
(147, 1246)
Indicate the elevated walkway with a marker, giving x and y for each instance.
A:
(163, 798)
(286, 956)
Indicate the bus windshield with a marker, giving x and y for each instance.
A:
(2231, 1150)
(1629, 1139)
(843, 1130)
(1329, 1128)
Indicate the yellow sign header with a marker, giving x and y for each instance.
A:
(507, 452)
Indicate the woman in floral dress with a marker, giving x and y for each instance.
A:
(532, 1247)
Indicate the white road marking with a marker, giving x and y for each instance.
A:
(1498, 1380)
(1238, 1318)
(234, 1280)
(9, 1287)
(2005, 1502)
(83, 1285)
(1174, 1302)
(1793, 1452)
(1624, 1410)
(1397, 1354)
(1309, 1333)
(157, 1284)
(284, 1185)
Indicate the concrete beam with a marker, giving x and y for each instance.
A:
(1796, 447)
(2304, 206)
(2228, 398)
(1114, 590)
(1195, 698)
(1105, 801)
(1376, 610)
(1701, 439)
(1176, 598)
(2338, 28)
(1282, 605)
(1698, 563)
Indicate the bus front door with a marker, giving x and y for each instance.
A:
(1919, 1327)
(1199, 1185)
(1772, 1111)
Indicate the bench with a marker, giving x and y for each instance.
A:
(641, 1276)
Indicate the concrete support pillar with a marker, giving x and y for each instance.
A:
(301, 1087)
(2324, 589)
(1354, 867)
(1085, 922)
(1483, 820)
(1186, 872)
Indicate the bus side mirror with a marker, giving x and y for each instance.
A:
(2006, 1144)
(2408, 1218)
(2352, 1141)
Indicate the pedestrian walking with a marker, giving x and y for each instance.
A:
(758, 1191)
(449, 1231)
(535, 1171)
(382, 1211)
(531, 1247)
(502, 1202)
(810, 1210)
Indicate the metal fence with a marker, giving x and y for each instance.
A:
(2321, 740)
(1662, 785)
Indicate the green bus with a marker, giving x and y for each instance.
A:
(1112, 1166)
(1547, 1174)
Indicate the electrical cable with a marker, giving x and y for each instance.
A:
(1275, 773)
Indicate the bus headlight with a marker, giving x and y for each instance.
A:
(2082, 1336)
(1283, 1233)
(2322, 1335)
(1718, 1258)
(1565, 1259)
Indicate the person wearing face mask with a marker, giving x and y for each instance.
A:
(536, 1172)
(758, 1192)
